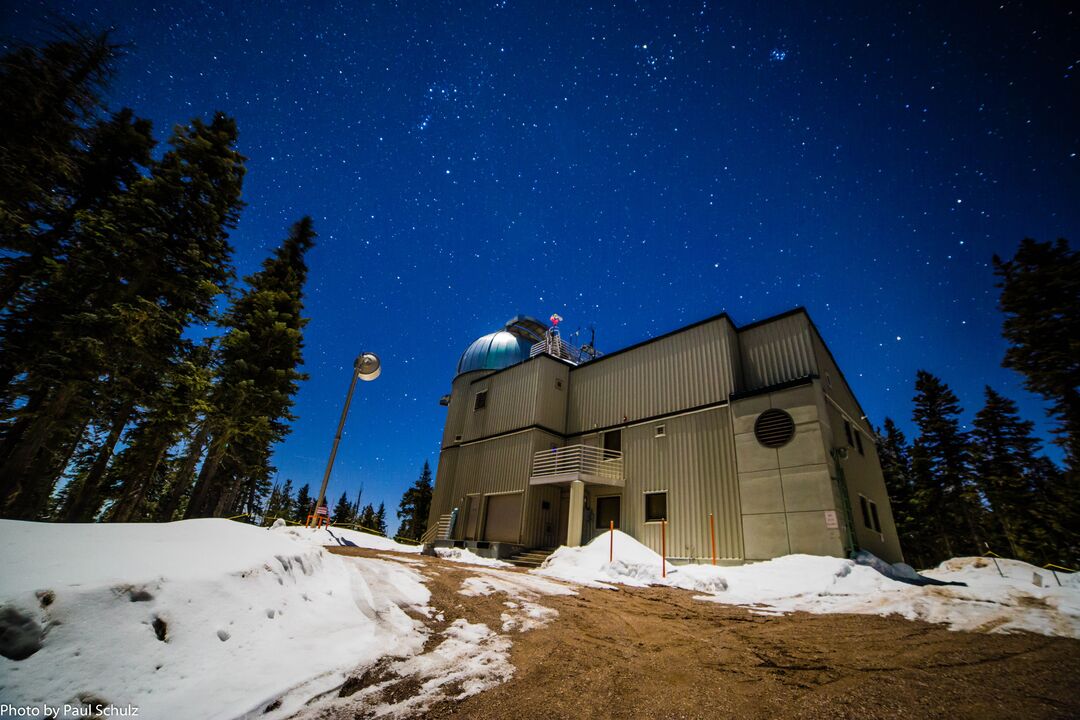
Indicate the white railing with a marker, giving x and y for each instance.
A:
(556, 347)
(582, 460)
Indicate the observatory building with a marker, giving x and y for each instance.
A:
(547, 444)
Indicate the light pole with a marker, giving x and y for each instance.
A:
(367, 367)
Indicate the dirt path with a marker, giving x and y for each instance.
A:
(658, 653)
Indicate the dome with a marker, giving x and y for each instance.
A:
(494, 352)
(504, 348)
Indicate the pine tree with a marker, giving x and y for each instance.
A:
(1003, 452)
(367, 517)
(304, 504)
(415, 506)
(93, 343)
(895, 456)
(380, 519)
(941, 469)
(343, 514)
(1040, 296)
(258, 377)
(273, 505)
(52, 104)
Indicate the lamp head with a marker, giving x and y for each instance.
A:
(368, 367)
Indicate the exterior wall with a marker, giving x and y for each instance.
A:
(695, 463)
(460, 405)
(777, 351)
(496, 466)
(861, 472)
(785, 492)
(685, 370)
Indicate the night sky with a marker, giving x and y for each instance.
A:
(632, 166)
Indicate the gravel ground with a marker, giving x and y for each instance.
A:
(658, 653)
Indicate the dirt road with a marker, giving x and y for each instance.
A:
(658, 653)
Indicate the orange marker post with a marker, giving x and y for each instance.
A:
(663, 548)
(712, 537)
(611, 545)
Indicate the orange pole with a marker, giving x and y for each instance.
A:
(663, 548)
(611, 545)
(712, 537)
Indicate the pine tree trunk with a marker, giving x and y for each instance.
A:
(17, 471)
(83, 505)
(201, 496)
(133, 491)
(183, 477)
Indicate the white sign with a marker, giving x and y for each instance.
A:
(830, 519)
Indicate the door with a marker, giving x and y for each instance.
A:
(472, 517)
(608, 510)
(502, 521)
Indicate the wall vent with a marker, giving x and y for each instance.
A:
(774, 428)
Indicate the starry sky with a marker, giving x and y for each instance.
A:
(633, 166)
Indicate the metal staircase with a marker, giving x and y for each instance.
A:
(442, 530)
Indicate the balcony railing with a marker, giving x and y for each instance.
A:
(577, 462)
(557, 347)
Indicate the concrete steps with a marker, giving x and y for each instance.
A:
(530, 558)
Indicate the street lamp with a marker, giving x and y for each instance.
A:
(367, 367)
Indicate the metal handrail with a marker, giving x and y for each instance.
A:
(583, 459)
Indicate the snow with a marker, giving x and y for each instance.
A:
(162, 616)
(463, 555)
(816, 584)
(523, 613)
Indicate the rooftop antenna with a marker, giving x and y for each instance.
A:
(589, 348)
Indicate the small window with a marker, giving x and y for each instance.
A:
(864, 505)
(457, 438)
(558, 383)
(874, 517)
(847, 433)
(858, 442)
(613, 440)
(661, 430)
(481, 400)
(655, 506)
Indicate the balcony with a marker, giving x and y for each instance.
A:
(577, 462)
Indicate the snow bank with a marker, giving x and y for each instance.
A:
(1020, 601)
(344, 537)
(634, 564)
(468, 557)
(201, 618)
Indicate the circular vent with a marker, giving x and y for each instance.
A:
(774, 428)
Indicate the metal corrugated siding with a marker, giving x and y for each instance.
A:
(695, 463)
(460, 406)
(442, 497)
(776, 352)
(551, 402)
(684, 370)
(511, 402)
(502, 465)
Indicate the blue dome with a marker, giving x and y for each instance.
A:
(494, 352)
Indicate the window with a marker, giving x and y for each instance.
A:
(869, 514)
(661, 430)
(858, 442)
(607, 512)
(655, 506)
(558, 383)
(480, 402)
(847, 433)
(613, 440)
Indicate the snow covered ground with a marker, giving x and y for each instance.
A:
(163, 616)
(988, 603)
(216, 619)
